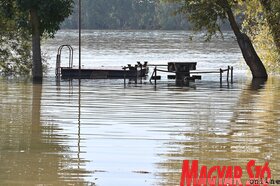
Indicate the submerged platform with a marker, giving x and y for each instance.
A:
(127, 72)
(96, 73)
(70, 72)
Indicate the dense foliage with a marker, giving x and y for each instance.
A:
(207, 15)
(258, 18)
(127, 14)
(15, 48)
(50, 13)
(23, 21)
(261, 22)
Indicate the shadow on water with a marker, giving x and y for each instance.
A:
(258, 83)
(33, 152)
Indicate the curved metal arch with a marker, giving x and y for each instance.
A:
(58, 58)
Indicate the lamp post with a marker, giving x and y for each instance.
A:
(80, 25)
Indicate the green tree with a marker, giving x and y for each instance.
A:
(208, 15)
(272, 15)
(166, 18)
(127, 14)
(263, 28)
(15, 55)
(39, 18)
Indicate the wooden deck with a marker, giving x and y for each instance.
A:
(72, 73)
(128, 72)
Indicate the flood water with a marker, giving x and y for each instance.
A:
(100, 132)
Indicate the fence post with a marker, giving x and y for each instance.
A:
(231, 75)
(155, 75)
(124, 76)
(221, 76)
(228, 69)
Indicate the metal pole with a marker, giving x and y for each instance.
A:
(80, 33)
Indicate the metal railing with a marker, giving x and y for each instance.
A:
(58, 59)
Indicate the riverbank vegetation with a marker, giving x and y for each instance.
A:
(24, 23)
(261, 21)
(15, 51)
(258, 19)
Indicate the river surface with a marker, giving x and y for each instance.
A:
(100, 132)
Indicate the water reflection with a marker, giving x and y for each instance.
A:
(119, 48)
(97, 131)
(33, 151)
(225, 137)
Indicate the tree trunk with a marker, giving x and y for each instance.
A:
(250, 55)
(37, 71)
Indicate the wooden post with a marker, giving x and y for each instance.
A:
(124, 76)
(155, 76)
(231, 75)
(221, 76)
(228, 74)
(141, 73)
(152, 76)
(136, 70)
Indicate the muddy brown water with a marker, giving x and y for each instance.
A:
(98, 132)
